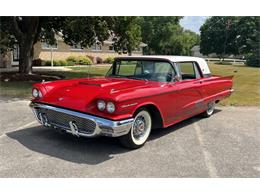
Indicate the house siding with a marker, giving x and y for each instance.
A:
(63, 51)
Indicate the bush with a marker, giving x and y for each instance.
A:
(56, 63)
(72, 59)
(47, 63)
(37, 62)
(61, 63)
(83, 60)
(253, 59)
(109, 60)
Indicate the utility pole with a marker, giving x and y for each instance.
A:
(228, 23)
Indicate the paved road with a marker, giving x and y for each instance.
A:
(225, 145)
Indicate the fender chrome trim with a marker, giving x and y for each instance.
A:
(103, 126)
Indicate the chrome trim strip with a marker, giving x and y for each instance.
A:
(103, 126)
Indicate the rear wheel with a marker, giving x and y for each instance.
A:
(139, 131)
(210, 110)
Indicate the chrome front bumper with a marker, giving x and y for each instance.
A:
(78, 123)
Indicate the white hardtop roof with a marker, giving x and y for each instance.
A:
(202, 63)
(171, 58)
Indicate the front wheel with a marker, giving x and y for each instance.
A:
(210, 110)
(139, 131)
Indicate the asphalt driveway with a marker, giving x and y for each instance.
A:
(225, 145)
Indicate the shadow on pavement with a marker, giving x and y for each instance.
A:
(157, 133)
(81, 150)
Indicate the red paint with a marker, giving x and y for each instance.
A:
(175, 101)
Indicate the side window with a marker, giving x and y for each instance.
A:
(164, 72)
(188, 70)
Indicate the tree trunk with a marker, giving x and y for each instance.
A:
(26, 58)
(26, 30)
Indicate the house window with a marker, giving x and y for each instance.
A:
(111, 48)
(48, 46)
(96, 47)
(138, 49)
(16, 52)
(76, 47)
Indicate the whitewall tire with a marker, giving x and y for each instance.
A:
(210, 109)
(139, 131)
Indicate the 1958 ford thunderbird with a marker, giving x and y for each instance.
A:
(136, 95)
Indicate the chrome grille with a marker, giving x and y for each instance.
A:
(62, 120)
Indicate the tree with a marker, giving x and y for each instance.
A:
(164, 35)
(156, 31)
(232, 35)
(127, 34)
(26, 31)
(218, 35)
(249, 39)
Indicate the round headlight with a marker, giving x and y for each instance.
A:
(101, 105)
(111, 107)
(35, 93)
(40, 94)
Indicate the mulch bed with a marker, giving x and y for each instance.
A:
(8, 77)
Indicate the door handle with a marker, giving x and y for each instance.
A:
(200, 82)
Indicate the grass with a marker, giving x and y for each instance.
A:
(246, 82)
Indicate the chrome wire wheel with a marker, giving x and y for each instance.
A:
(141, 127)
(211, 108)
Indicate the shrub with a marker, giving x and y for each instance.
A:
(99, 60)
(70, 63)
(61, 63)
(72, 59)
(56, 63)
(109, 60)
(83, 60)
(47, 63)
(253, 59)
(37, 62)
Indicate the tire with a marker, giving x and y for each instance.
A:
(140, 130)
(210, 110)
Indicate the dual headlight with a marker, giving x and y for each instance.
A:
(36, 93)
(109, 106)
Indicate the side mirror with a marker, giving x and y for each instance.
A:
(176, 78)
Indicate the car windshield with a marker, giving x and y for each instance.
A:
(161, 71)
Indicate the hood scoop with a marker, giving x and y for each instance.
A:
(88, 83)
(100, 83)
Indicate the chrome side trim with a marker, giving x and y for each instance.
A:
(103, 126)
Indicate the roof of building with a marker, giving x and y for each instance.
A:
(195, 48)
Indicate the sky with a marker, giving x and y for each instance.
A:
(193, 23)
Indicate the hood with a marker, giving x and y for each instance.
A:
(78, 93)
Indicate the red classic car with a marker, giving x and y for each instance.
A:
(136, 95)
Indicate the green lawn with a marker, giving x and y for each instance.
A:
(246, 82)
